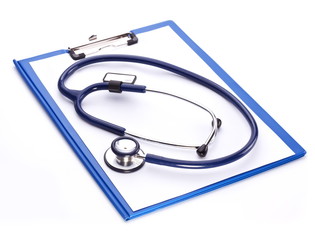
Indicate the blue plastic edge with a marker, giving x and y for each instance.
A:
(215, 186)
(96, 171)
(251, 103)
(88, 160)
(260, 112)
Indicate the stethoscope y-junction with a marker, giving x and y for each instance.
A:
(125, 154)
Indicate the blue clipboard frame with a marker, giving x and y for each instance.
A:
(25, 69)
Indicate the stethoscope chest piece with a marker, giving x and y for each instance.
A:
(124, 155)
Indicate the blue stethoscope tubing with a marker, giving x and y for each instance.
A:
(77, 96)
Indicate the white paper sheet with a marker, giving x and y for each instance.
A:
(161, 117)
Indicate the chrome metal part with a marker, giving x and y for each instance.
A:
(122, 77)
(125, 164)
(209, 140)
(95, 45)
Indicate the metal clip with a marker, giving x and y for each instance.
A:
(121, 77)
(95, 46)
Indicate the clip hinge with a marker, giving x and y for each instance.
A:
(95, 45)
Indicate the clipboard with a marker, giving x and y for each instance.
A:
(113, 185)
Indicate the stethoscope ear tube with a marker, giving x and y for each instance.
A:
(110, 127)
(77, 97)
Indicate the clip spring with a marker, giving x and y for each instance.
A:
(95, 46)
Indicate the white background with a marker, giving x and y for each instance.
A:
(267, 46)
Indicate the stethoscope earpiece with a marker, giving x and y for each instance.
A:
(124, 155)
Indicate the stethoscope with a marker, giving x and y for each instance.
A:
(125, 154)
